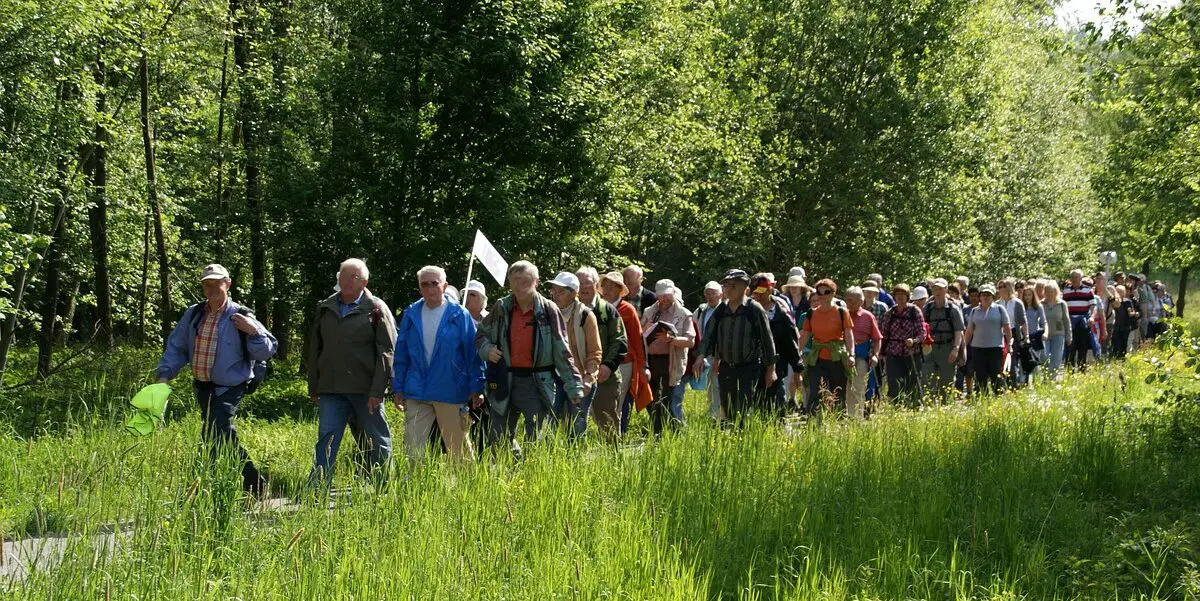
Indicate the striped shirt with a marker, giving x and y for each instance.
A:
(1080, 300)
(205, 353)
(739, 337)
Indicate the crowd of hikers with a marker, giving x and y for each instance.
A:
(600, 347)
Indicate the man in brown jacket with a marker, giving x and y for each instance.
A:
(349, 368)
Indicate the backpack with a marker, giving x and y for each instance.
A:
(261, 370)
(936, 333)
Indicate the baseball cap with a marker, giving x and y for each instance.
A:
(214, 271)
(566, 280)
(664, 287)
(713, 285)
(736, 275)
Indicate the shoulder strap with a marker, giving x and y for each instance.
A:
(196, 315)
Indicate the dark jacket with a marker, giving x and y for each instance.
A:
(351, 354)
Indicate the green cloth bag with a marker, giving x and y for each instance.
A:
(149, 409)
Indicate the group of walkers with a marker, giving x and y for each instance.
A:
(600, 347)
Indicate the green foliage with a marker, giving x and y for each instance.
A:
(1145, 90)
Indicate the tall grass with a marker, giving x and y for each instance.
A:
(1076, 490)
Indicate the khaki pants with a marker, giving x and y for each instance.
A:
(856, 398)
(419, 417)
(606, 405)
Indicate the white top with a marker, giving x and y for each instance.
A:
(431, 318)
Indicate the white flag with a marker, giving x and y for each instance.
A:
(486, 253)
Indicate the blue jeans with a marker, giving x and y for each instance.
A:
(333, 413)
(575, 415)
(1056, 346)
(677, 397)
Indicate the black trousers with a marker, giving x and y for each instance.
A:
(988, 364)
(660, 387)
(739, 384)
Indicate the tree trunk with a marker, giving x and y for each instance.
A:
(67, 323)
(222, 200)
(248, 112)
(1183, 285)
(54, 265)
(281, 313)
(8, 328)
(1146, 268)
(96, 172)
(144, 290)
(160, 242)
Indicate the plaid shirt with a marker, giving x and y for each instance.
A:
(878, 308)
(205, 353)
(897, 328)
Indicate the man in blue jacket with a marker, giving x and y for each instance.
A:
(436, 371)
(222, 341)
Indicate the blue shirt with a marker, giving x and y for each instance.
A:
(230, 367)
(344, 308)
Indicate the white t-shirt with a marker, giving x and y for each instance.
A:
(430, 320)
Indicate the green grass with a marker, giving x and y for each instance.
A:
(1081, 490)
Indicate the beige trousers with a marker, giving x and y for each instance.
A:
(856, 397)
(419, 417)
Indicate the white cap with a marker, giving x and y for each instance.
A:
(919, 293)
(477, 287)
(712, 286)
(664, 287)
(566, 280)
(214, 271)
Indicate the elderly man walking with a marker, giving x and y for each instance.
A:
(669, 332)
(634, 390)
(524, 339)
(739, 338)
(438, 375)
(583, 343)
(636, 295)
(223, 341)
(614, 345)
(349, 367)
(946, 326)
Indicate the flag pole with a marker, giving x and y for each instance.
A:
(470, 264)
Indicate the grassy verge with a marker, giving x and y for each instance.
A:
(1084, 489)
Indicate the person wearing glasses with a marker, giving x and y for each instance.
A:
(349, 368)
(831, 361)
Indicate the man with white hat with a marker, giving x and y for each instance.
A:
(221, 372)
(945, 322)
(583, 342)
(668, 332)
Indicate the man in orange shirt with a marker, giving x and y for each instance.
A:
(831, 360)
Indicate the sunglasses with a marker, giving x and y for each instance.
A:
(824, 292)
